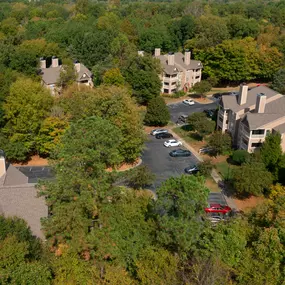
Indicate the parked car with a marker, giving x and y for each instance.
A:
(170, 143)
(163, 136)
(180, 153)
(217, 208)
(188, 102)
(204, 150)
(210, 112)
(158, 131)
(219, 95)
(191, 169)
(215, 219)
(182, 119)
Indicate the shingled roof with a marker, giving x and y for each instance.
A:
(179, 64)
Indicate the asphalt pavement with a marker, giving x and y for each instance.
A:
(178, 109)
(156, 157)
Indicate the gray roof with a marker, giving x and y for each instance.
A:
(231, 102)
(280, 128)
(179, 64)
(257, 120)
(22, 201)
(19, 198)
(51, 75)
(83, 70)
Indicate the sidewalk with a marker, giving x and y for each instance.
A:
(231, 203)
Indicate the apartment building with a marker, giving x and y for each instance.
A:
(251, 115)
(180, 72)
(51, 75)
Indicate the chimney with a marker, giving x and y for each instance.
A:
(187, 57)
(242, 94)
(260, 103)
(43, 63)
(77, 66)
(170, 58)
(2, 163)
(157, 52)
(54, 61)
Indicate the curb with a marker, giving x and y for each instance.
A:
(217, 178)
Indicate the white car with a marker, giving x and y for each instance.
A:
(158, 131)
(170, 143)
(188, 102)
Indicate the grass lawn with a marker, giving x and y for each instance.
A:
(212, 185)
(225, 169)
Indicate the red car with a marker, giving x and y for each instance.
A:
(217, 208)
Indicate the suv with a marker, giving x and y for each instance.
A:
(183, 119)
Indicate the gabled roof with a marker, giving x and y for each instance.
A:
(51, 75)
(231, 102)
(179, 64)
(256, 120)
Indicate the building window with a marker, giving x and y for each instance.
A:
(256, 144)
(173, 90)
(165, 90)
(166, 83)
(197, 77)
(173, 83)
(167, 75)
(221, 119)
(258, 132)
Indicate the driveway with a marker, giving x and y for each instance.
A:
(157, 158)
(178, 109)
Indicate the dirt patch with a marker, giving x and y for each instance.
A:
(247, 204)
(125, 166)
(212, 185)
(34, 161)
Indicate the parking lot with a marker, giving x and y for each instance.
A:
(178, 109)
(157, 158)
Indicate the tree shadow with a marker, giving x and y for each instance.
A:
(196, 136)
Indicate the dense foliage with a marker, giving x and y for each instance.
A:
(98, 231)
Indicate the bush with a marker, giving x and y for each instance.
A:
(157, 113)
(240, 156)
(205, 168)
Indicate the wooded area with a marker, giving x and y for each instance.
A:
(101, 233)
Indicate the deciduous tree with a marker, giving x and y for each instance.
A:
(220, 143)
(157, 113)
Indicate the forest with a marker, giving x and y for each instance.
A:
(99, 232)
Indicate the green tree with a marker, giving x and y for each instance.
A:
(201, 124)
(278, 82)
(141, 72)
(67, 74)
(50, 133)
(27, 105)
(157, 266)
(180, 202)
(87, 148)
(140, 177)
(240, 156)
(114, 104)
(251, 179)
(205, 168)
(271, 153)
(220, 143)
(113, 77)
(202, 87)
(157, 113)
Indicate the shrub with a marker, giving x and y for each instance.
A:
(240, 156)
(140, 177)
(205, 168)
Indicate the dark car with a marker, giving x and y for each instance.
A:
(180, 153)
(210, 112)
(191, 170)
(163, 136)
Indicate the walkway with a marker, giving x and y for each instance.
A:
(218, 179)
